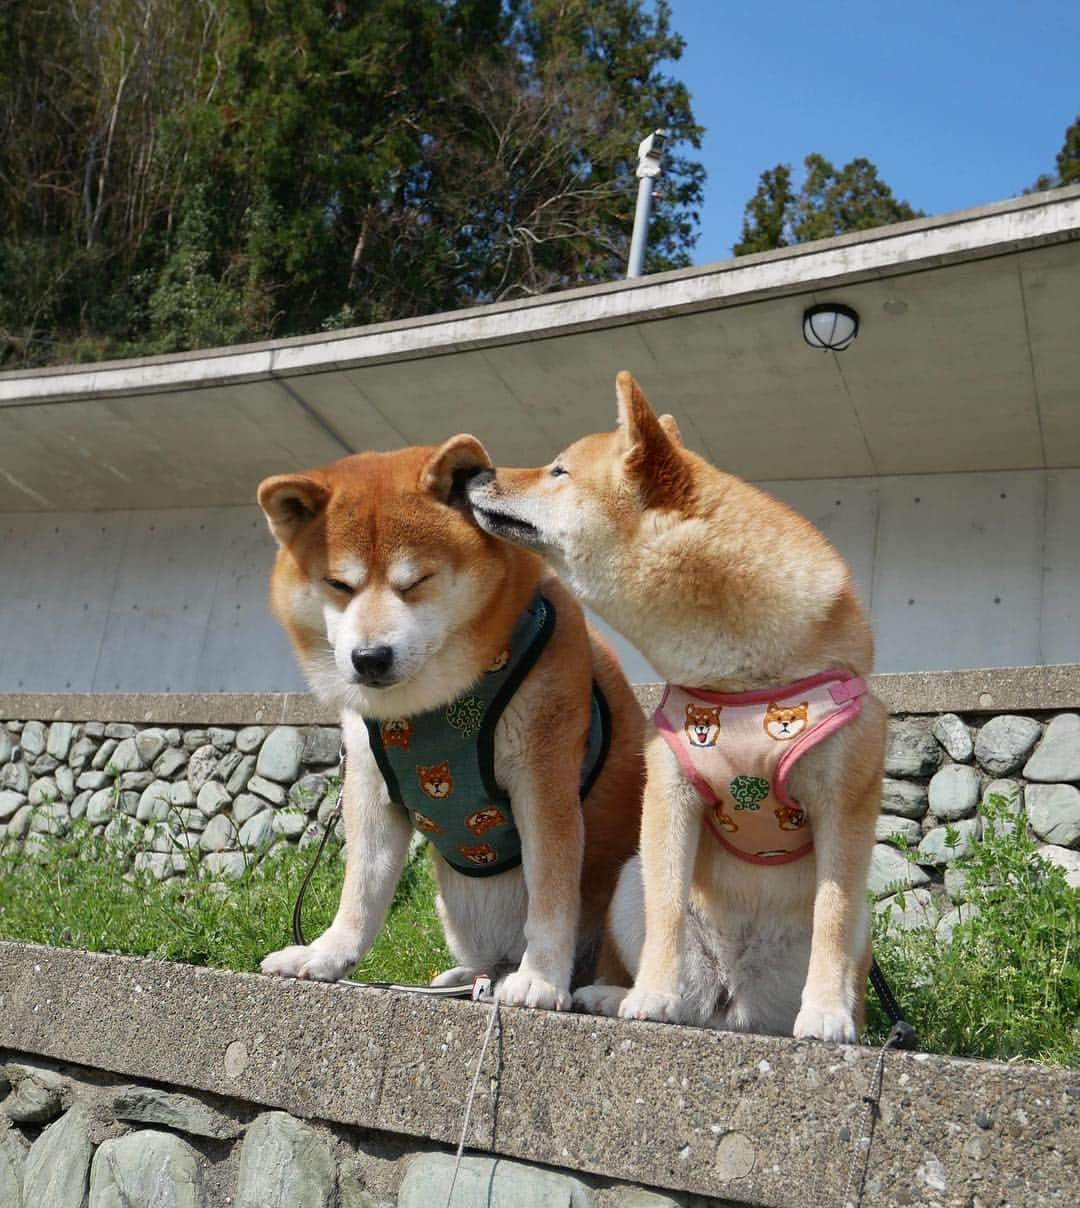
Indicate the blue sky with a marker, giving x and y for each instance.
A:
(958, 103)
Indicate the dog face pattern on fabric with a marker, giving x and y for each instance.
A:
(499, 661)
(783, 724)
(397, 733)
(484, 820)
(436, 780)
(428, 825)
(482, 853)
(702, 725)
(723, 820)
(790, 817)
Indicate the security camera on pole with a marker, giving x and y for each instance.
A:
(650, 154)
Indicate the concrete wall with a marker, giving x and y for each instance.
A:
(958, 570)
(740, 1119)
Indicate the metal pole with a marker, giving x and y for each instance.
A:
(650, 158)
(641, 227)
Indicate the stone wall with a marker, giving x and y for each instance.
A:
(173, 798)
(73, 1137)
(180, 798)
(938, 769)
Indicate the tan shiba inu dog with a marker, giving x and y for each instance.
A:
(397, 604)
(729, 594)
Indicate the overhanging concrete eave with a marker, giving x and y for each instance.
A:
(994, 230)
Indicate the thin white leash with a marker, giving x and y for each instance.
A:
(481, 988)
(862, 1142)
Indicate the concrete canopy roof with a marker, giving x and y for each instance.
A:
(968, 358)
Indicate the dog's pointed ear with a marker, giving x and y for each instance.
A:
(671, 429)
(289, 501)
(650, 447)
(635, 417)
(450, 467)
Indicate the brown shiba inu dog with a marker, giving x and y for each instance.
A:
(731, 596)
(398, 606)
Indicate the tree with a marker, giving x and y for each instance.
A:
(525, 180)
(1068, 162)
(829, 202)
(88, 174)
(194, 172)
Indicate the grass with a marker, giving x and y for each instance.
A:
(78, 893)
(1007, 986)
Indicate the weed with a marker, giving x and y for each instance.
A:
(1006, 983)
(80, 892)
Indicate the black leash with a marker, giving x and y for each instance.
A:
(331, 822)
(902, 1035)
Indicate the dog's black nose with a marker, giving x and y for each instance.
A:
(372, 662)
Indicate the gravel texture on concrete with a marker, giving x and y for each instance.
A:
(755, 1120)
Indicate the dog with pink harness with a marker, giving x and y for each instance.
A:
(738, 749)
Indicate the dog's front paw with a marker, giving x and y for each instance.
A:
(523, 989)
(306, 961)
(600, 999)
(652, 1004)
(835, 1024)
(459, 975)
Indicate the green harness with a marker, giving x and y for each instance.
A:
(440, 766)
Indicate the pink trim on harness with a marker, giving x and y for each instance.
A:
(740, 768)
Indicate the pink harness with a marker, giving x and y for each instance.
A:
(737, 750)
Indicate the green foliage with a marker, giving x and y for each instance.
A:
(829, 202)
(1067, 163)
(1007, 983)
(184, 173)
(79, 892)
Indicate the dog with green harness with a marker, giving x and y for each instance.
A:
(477, 707)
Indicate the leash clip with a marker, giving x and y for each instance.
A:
(481, 988)
(902, 1035)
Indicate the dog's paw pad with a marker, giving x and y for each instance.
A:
(600, 1000)
(652, 1004)
(522, 989)
(305, 962)
(834, 1024)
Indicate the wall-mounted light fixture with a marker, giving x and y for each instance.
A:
(830, 327)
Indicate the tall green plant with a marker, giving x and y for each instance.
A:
(1006, 983)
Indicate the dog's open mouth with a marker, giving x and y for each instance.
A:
(511, 527)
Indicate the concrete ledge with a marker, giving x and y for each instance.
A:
(754, 1120)
(993, 690)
